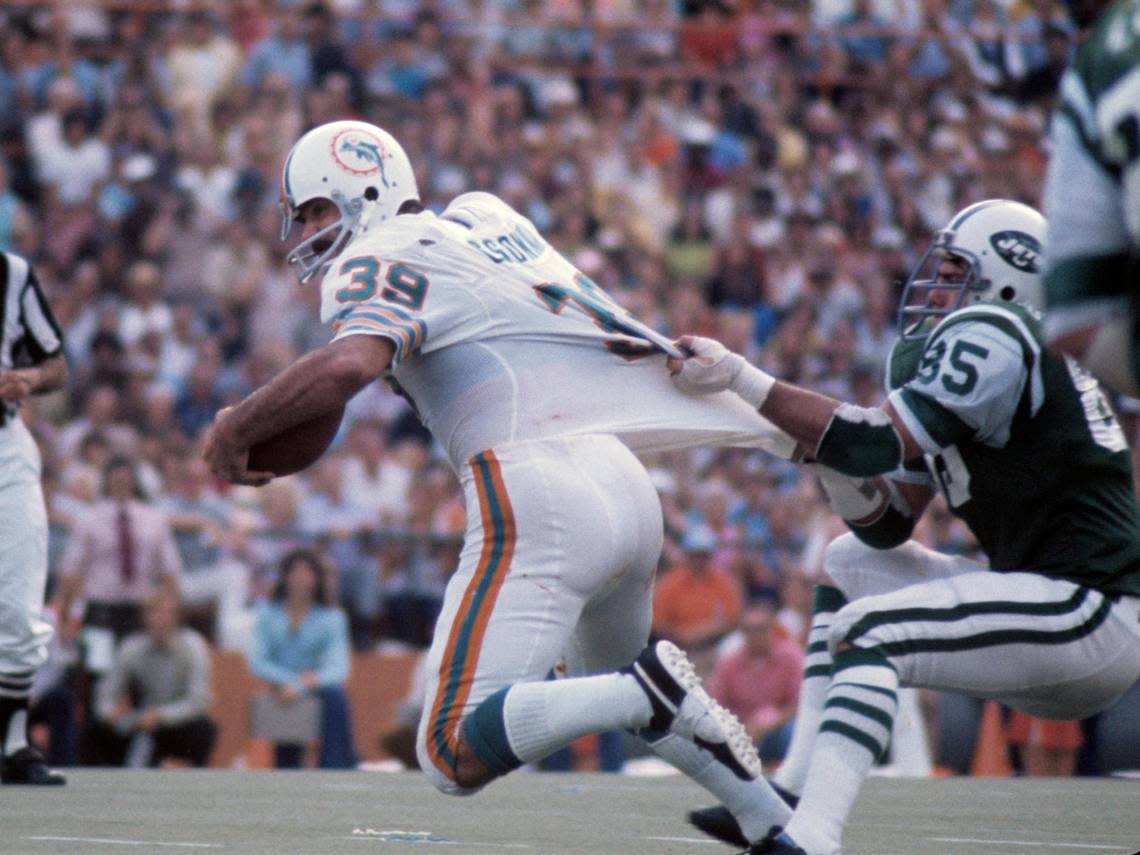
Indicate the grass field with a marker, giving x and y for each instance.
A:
(549, 814)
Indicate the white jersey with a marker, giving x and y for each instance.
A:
(499, 339)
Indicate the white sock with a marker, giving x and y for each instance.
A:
(826, 601)
(17, 736)
(855, 731)
(754, 803)
(542, 717)
(910, 754)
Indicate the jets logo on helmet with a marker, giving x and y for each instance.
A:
(358, 167)
(1019, 249)
(359, 153)
(990, 252)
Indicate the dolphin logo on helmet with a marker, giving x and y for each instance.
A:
(367, 153)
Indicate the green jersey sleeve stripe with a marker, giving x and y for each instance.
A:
(933, 426)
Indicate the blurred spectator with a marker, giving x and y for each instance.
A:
(868, 44)
(144, 312)
(72, 166)
(696, 605)
(151, 706)
(328, 57)
(53, 716)
(1048, 748)
(262, 538)
(337, 520)
(300, 645)
(418, 558)
(757, 677)
(120, 551)
(17, 229)
(199, 401)
(200, 66)
(199, 518)
(283, 52)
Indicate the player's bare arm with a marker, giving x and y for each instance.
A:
(320, 381)
(875, 441)
(21, 383)
(851, 448)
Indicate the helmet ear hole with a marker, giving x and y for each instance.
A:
(1008, 293)
(371, 193)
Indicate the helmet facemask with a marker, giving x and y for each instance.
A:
(305, 255)
(930, 294)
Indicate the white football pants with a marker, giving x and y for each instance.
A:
(563, 537)
(24, 636)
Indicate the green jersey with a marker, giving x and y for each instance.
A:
(1092, 188)
(1024, 446)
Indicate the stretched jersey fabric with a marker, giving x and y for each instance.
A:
(1092, 188)
(1024, 446)
(499, 339)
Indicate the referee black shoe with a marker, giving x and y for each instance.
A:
(26, 766)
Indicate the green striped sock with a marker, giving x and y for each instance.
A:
(826, 601)
(855, 731)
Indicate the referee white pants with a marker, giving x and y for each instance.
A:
(563, 537)
(1046, 646)
(24, 636)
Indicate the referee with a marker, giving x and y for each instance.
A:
(31, 363)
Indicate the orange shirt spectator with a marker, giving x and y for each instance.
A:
(1048, 747)
(696, 605)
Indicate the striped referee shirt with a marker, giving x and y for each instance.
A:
(29, 334)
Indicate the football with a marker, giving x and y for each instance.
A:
(297, 447)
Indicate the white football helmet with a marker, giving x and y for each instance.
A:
(360, 168)
(1000, 243)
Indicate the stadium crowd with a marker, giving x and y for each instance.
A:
(764, 171)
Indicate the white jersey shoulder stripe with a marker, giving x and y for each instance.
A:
(987, 311)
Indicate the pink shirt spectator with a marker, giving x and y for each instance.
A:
(95, 552)
(761, 691)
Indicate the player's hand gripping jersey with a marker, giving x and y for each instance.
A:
(992, 407)
(1092, 191)
(499, 339)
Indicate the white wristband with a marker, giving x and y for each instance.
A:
(752, 384)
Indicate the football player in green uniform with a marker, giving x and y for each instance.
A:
(1092, 197)
(1023, 446)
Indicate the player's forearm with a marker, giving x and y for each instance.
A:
(317, 383)
(801, 413)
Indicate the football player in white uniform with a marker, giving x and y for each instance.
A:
(539, 388)
(1025, 450)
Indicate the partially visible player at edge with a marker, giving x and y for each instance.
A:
(1092, 197)
(1026, 451)
(537, 385)
(31, 363)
